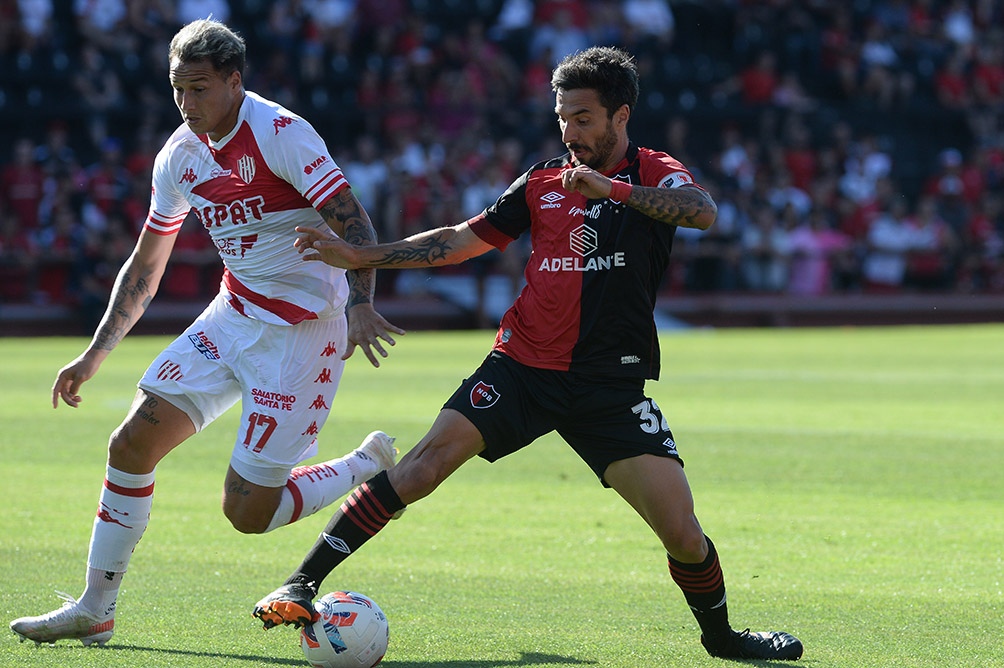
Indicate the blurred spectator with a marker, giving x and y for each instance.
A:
(957, 23)
(818, 253)
(100, 91)
(766, 251)
(982, 254)
(651, 20)
(152, 19)
(55, 153)
(367, 172)
(21, 183)
(104, 24)
(190, 10)
(18, 260)
(890, 241)
(108, 181)
(883, 78)
(933, 248)
(558, 31)
(36, 24)
(951, 84)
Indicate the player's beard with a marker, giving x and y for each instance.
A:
(600, 154)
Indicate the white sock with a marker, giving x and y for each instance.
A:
(123, 514)
(311, 488)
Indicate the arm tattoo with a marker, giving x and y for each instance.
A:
(676, 206)
(130, 299)
(431, 251)
(344, 215)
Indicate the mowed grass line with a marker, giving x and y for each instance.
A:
(849, 477)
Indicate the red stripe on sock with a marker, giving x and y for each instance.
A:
(700, 582)
(363, 510)
(369, 504)
(129, 491)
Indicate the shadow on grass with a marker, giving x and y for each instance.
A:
(253, 659)
(528, 659)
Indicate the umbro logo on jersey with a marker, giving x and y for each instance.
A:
(551, 200)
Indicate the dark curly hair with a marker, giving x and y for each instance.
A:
(609, 71)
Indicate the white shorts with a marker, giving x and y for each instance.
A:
(285, 377)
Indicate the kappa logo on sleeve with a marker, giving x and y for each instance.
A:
(484, 395)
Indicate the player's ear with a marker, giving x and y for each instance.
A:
(235, 80)
(622, 115)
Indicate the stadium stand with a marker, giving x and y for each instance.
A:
(856, 150)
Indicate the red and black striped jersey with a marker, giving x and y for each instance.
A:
(594, 271)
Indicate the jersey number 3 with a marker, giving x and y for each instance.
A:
(652, 420)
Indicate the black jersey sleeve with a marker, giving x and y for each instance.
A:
(510, 214)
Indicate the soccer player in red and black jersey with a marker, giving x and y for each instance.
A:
(572, 353)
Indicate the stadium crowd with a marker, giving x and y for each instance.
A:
(851, 146)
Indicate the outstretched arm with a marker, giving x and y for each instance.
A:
(347, 218)
(433, 248)
(135, 286)
(686, 206)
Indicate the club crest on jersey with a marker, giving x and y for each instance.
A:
(484, 395)
(246, 168)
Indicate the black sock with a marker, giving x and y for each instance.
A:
(360, 517)
(703, 586)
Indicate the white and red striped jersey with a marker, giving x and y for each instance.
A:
(249, 190)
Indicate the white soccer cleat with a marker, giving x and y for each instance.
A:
(378, 447)
(69, 622)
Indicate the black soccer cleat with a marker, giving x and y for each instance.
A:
(289, 604)
(764, 645)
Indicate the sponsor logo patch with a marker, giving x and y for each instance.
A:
(204, 345)
(583, 240)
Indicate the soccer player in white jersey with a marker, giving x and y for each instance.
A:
(275, 338)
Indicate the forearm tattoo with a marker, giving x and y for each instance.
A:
(676, 206)
(428, 251)
(130, 299)
(344, 212)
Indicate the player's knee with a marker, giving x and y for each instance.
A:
(686, 542)
(416, 479)
(245, 522)
(123, 447)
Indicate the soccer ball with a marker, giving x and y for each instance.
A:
(350, 632)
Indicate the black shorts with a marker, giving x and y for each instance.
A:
(603, 419)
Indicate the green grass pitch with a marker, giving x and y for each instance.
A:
(851, 479)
